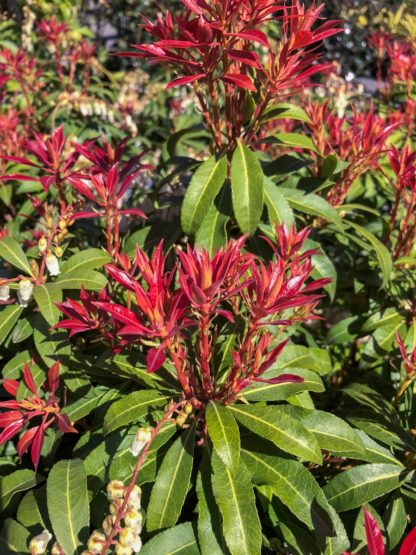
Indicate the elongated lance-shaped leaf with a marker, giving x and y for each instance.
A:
(172, 483)
(224, 434)
(274, 424)
(130, 408)
(68, 504)
(278, 207)
(212, 233)
(235, 497)
(293, 484)
(361, 484)
(46, 295)
(14, 483)
(247, 188)
(179, 540)
(199, 197)
(11, 251)
(8, 318)
(88, 259)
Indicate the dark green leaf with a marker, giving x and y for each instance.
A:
(224, 434)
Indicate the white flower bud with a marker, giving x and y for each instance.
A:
(143, 436)
(57, 549)
(137, 546)
(108, 524)
(39, 544)
(4, 293)
(42, 244)
(127, 537)
(52, 263)
(134, 520)
(96, 542)
(135, 498)
(115, 490)
(25, 292)
(123, 550)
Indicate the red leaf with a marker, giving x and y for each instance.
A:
(373, 534)
(239, 80)
(155, 359)
(25, 441)
(409, 544)
(9, 417)
(10, 431)
(64, 424)
(253, 35)
(283, 378)
(121, 277)
(185, 80)
(134, 212)
(11, 386)
(53, 377)
(27, 374)
(37, 445)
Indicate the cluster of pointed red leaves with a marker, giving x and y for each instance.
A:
(403, 163)
(20, 66)
(173, 304)
(53, 31)
(20, 412)
(219, 40)
(375, 541)
(51, 159)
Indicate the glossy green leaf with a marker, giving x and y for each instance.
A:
(88, 259)
(11, 251)
(278, 207)
(172, 483)
(296, 140)
(285, 111)
(247, 188)
(130, 408)
(8, 317)
(14, 483)
(361, 484)
(199, 197)
(14, 538)
(68, 504)
(178, 540)
(212, 233)
(259, 391)
(235, 498)
(224, 434)
(273, 424)
(46, 296)
(292, 483)
(383, 254)
(313, 205)
(90, 280)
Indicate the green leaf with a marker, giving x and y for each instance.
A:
(179, 540)
(14, 538)
(247, 188)
(313, 205)
(8, 317)
(322, 266)
(130, 408)
(199, 197)
(32, 510)
(14, 483)
(224, 434)
(361, 484)
(210, 536)
(395, 519)
(333, 434)
(88, 259)
(277, 206)
(76, 279)
(46, 296)
(292, 483)
(11, 251)
(383, 254)
(68, 505)
(235, 498)
(22, 330)
(279, 391)
(374, 452)
(272, 423)
(172, 483)
(212, 234)
(285, 111)
(297, 140)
